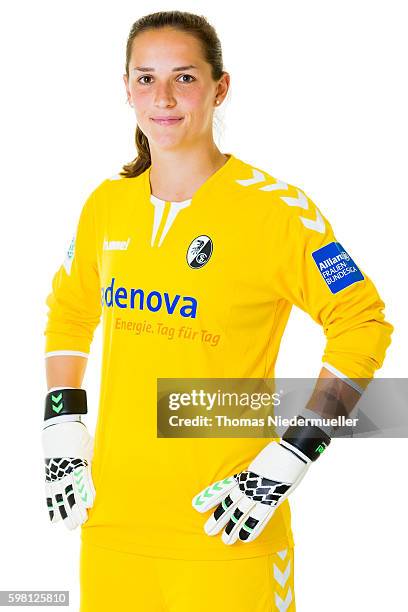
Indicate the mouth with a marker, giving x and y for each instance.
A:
(166, 120)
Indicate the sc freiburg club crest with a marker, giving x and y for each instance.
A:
(199, 251)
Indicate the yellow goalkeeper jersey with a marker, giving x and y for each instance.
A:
(197, 289)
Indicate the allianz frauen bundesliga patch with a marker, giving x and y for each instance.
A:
(336, 267)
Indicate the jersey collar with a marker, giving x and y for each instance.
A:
(203, 191)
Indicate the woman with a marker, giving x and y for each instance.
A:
(194, 259)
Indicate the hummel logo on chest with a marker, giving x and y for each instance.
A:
(116, 245)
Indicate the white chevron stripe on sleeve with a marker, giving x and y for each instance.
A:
(275, 186)
(283, 604)
(300, 200)
(258, 177)
(281, 577)
(318, 224)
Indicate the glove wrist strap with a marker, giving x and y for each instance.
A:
(65, 401)
(308, 439)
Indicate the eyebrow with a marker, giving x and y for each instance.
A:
(149, 69)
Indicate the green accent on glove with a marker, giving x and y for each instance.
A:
(218, 487)
(78, 478)
(55, 399)
(211, 491)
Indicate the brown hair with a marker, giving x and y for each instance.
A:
(198, 26)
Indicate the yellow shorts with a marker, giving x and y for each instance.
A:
(112, 580)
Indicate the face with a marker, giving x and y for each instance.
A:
(171, 88)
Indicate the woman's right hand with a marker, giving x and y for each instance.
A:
(69, 489)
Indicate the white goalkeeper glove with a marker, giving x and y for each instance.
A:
(247, 501)
(68, 451)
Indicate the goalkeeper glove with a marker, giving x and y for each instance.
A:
(247, 500)
(68, 450)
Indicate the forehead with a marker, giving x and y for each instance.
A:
(167, 47)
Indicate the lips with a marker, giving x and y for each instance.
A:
(166, 120)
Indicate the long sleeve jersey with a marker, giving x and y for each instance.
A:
(227, 265)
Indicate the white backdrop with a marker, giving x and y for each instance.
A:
(318, 98)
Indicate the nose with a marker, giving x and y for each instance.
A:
(164, 96)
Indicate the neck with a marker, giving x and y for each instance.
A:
(176, 175)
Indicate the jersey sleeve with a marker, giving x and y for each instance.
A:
(74, 302)
(320, 277)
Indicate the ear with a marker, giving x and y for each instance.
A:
(125, 80)
(223, 85)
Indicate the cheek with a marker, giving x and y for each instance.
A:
(196, 100)
(141, 97)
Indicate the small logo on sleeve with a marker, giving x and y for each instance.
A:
(70, 255)
(336, 267)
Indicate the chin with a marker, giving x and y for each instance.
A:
(167, 143)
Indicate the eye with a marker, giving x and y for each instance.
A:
(145, 76)
(189, 76)
(182, 76)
